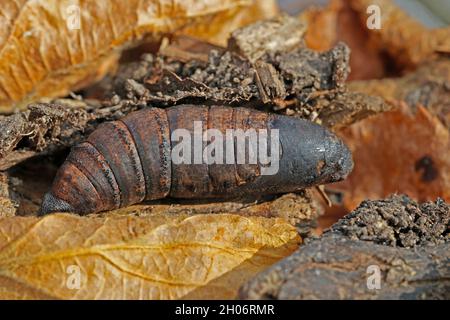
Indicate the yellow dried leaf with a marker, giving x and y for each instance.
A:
(49, 47)
(158, 257)
(217, 32)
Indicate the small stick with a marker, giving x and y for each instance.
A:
(323, 194)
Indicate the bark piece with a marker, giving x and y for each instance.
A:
(265, 37)
(43, 127)
(296, 75)
(301, 82)
(348, 108)
(398, 221)
(335, 266)
(299, 209)
(8, 198)
(159, 257)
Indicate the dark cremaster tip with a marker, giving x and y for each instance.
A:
(53, 204)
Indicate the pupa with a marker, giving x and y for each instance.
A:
(137, 158)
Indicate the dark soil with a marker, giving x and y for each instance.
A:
(397, 221)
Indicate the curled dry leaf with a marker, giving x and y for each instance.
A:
(158, 257)
(48, 48)
(401, 43)
(398, 152)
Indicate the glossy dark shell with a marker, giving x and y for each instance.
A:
(128, 161)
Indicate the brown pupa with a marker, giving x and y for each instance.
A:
(127, 161)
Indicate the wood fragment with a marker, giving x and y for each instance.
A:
(8, 199)
(282, 33)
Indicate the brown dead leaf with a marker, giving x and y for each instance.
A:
(339, 22)
(41, 55)
(406, 40)
(402, 43)
(157, 257)
(398, 152)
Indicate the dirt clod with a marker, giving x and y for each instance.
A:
(397, 221)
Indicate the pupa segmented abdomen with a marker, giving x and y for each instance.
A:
(130, 160)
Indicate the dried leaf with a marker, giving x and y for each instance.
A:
(401, 43)
(398, 152)
(339, 22)
(217, 29)
(406, 40)
(158, 257)
(45, 52)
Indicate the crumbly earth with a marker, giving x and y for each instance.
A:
(397, 221)
(301, 76)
